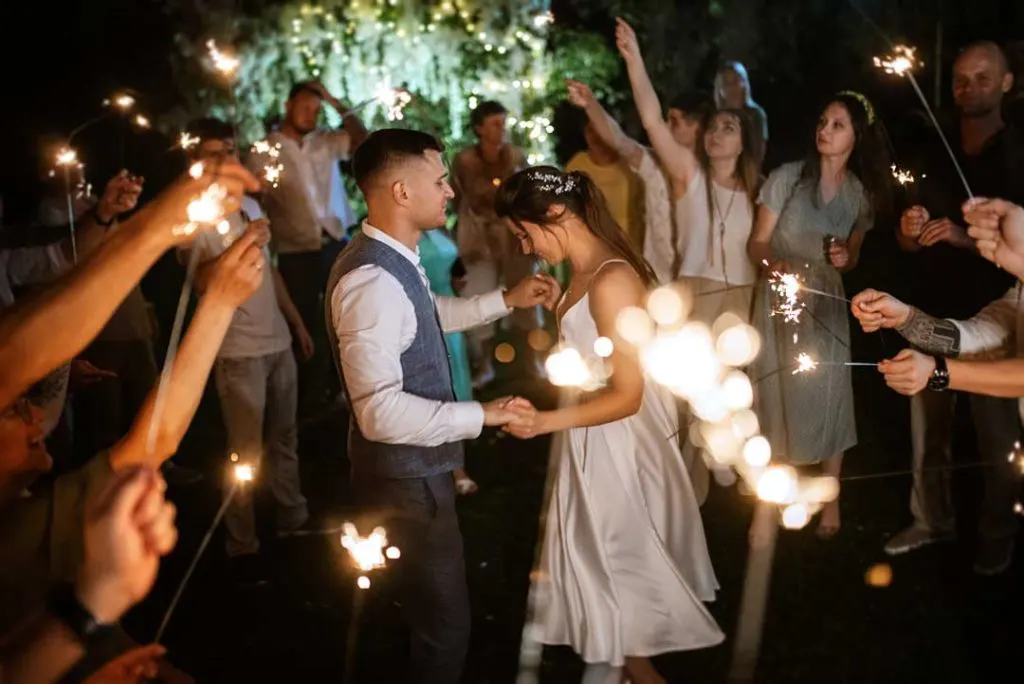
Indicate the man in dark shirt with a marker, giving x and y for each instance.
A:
(950, 280)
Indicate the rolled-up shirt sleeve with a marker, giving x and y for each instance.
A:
(991, 333)
(459, 313)
(375, 323)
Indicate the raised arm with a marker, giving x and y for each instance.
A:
(90, 293)
(759, 243)
(462, 313)
(235, 276)
(606, 127)
(679, 162)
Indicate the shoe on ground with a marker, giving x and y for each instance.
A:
(312, 526)
(994, 556)
(916, 537)
(177, 476)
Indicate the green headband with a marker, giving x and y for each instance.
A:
(869, 110)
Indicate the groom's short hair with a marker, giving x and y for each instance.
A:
(387, 148)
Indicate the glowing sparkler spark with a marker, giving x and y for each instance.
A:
(786, 287)
(393, 99)
(244, 472)
(804, 363)
(368, 553)
(901, 61)
(124, 102)
(225, 64)
(187, 141)
(141, 121)
(902, 176)
(777, 485)
(566, 368)
(273, 168)
(208, 208)
(196, 170)
(66, 157)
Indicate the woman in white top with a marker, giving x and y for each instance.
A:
(713, 190)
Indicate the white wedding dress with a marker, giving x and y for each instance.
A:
(624, 564)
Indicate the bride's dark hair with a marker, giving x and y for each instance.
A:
(527, 196)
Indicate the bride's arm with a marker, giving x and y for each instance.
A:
(612, 290)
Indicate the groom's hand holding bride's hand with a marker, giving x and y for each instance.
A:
(533, 291)
(497, 412)
(528, 421)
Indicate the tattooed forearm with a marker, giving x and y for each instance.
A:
(931, 335)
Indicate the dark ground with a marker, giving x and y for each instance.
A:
(936, 622)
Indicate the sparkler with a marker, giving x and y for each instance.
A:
(902, 62)
(242, 473)
(393, 99)
(902, 176)
(187, 141)
(224, 63)
(272, 153)
(66, 157)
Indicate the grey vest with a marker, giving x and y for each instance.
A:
(425, 367)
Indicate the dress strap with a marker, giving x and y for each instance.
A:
(603, 264)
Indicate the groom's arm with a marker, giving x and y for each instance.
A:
(463, 313)
(375, 322)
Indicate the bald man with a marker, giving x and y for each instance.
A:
(951, 281)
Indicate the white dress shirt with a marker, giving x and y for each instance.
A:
(310, 199)
(375, 322)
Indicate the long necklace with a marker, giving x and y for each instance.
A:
(721, 223)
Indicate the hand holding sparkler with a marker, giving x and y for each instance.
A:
(199, 199)
(238, 271)
(120, 196)
(997, 228)
(912, 222)
(908, 372)
(128, 527)
(944, 230)
(839, 254)
(579, 94)
(875, 310)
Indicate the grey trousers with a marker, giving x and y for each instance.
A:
(419, 516)
(997, 424)
(258, 397)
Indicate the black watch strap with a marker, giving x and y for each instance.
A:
(939, 380)
(105, 224)
(65, 606)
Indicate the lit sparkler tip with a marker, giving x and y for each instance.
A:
(901, 61)
(804, 363)
(187, 141)
(141, 121)
(363, 582)
(225, 64)
(393, 99)
(902, 176)
(66, 157)
(196, 170)
(123, 101)
(393, 552)
(244, 472)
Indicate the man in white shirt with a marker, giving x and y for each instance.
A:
(406, 429)
(309, 212)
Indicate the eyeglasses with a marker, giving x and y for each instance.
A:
(21, 408)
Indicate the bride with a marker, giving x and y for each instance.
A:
(624, 563)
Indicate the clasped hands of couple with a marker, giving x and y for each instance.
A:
(996, 229)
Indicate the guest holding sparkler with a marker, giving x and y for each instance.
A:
(970, 345)
(951, 281)
(732, 91)
(255, 372)
(811, 221)
(310, 215)
(685, 117)
(713, 189)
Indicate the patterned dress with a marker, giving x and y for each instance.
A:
(808, 417)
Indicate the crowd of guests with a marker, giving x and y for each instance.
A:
(81, 407)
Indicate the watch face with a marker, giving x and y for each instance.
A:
(939, 380)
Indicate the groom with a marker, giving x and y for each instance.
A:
(405, 436)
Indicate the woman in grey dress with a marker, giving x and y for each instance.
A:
(811, 221)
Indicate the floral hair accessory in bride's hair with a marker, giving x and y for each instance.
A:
(553, 182)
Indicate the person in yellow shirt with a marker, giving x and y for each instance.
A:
(619, 185)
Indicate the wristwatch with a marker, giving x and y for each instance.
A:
(939, 380)
(63, 605)
(105, 224)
